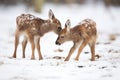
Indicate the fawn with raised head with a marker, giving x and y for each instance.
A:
(84, 33)
(33, 28)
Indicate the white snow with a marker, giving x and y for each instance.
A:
(107, 67)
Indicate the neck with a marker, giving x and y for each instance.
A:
(48, 27)
(71, 35)
(74, 35)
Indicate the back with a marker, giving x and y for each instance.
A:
(88, 26)
(25, 21)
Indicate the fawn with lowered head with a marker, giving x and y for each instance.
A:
(84, 33)
(33, 28)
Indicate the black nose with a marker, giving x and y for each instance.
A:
(57, 43)
(59, 28)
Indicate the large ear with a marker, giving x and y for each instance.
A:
(68, 24)
(51, 15)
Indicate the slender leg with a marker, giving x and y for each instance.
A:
(93, 53)
(38, 48)
(16, 43)
(92, 48)
(84, 43)
(71, 51)
(33, 47)
(24, 43)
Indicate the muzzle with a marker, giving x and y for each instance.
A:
(59, 29)
(57, 43)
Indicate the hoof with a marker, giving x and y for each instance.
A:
(76, 59)
(40, 58)
(92, 59)
(66, 60)
(13, 56)
(23, 57)
(32, 58)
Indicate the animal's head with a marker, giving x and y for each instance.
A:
(54, 20)
(64, 34)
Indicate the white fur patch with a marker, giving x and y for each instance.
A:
(25, 18)
(82, 22)
(89, 27)
(33, 29)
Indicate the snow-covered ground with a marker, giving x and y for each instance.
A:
(53, 67)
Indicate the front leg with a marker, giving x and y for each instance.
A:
(71, 51)
(84, 43)
(38, 48)
(31, 38)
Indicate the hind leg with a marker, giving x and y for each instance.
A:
(92, 48)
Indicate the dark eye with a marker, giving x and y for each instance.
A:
(62, 37)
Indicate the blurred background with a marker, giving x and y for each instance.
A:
(38, 4)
